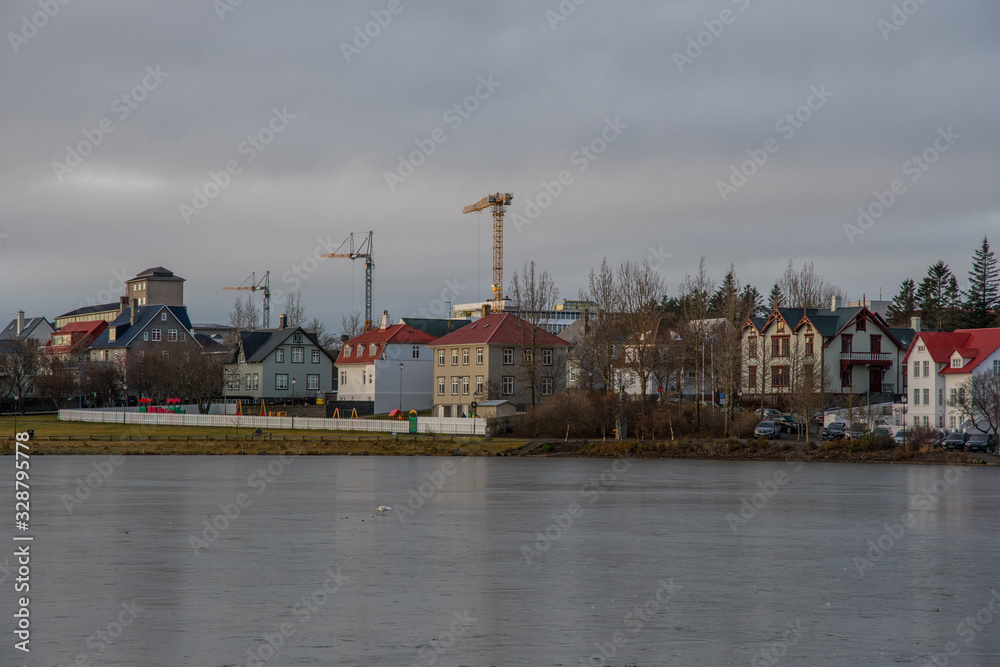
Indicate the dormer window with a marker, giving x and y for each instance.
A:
(347, 350)
(372, 349)
(112, 334)
(956, 362)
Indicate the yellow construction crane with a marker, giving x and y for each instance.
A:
(251, 284)
(363, 250)
(498, 202)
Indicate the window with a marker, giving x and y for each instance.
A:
(373, 349)
(465, 385)
(546, 386)
(440, 357)
(862, 324)
(360, 351)
(242, 357)
(921, 348)
(956, 362)
(780, 346)
(507, 385)
(752, 347)
(809, 345)
(296, 338)
(875, 344)
(415, 352)
(163, 317)
(846, 343)
(281, 380)
(528, 355)
(951, 422)
(312, 382)
(916, 397)
(279, 355)
(780, 376)
(347, 350)
(940, 397)
(454, 356)
(781, 325)
(479, 356)
(940, 421)
(479, 384)
(298, 355)
(752, 376)
(249, 378)
(111, 334)
(508, 356)
(454, 385)
(546, 357)
(927, 396)
(156, 335)
(440, 385)
(343, 378)
(927, 369)
(315, 356)
(927, 421)
(846, 378)
(172, 335)
(183, 336)
(916, 421)
(952, 396)
(916, 369)
(256, 381)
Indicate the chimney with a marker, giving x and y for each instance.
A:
(915, 323)
(122, 304)
(283, 321)
(834, 302)
(385, 319)
(20, 322)
(487, 309)
(132, 314)
(344, 338)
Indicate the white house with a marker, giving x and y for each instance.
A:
(388, 367)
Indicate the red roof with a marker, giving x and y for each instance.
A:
(974, 344)
(397, 333)
(82, 335)
(497, 329)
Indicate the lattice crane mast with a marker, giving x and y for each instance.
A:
(251, 284)
(498, 202)
(362, 250)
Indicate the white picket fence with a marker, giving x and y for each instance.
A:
(439, 425)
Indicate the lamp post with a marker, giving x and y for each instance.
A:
(401, 386)
(293, 391)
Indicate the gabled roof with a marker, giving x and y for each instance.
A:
(259, 344)
(979, 345)
(125, 333)
(82, 335)
(829, 323)
(436, 327)
(497, 329)
(939, 344)
(397, 333)
(10, 331)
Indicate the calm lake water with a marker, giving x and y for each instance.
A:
(498, 561)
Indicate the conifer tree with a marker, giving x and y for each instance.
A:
(904, 305)
(984, 289)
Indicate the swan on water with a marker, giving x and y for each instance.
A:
(383, 508)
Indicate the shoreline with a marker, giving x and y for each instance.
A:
(539, 448)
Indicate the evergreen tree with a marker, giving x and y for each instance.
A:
(727, 292)
(932, 295)
(954, 309)
(774, 299)
(904, 305)
(984, 288)
(752, 301)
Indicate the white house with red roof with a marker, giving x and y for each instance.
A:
(388, 367)
(938, 364)
(497, 357)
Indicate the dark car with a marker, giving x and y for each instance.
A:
(834, 430)
(787, 423)
(882, 432)
(767, 429)
(955, 442)
(857, 431)
(980, 442)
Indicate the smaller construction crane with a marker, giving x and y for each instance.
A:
(362, 250)
(251, 284)
(498, 202)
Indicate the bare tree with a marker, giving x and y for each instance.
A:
(532, 294)
(978, 400)
(598, 356)
(56, 381)
(244, 315)
(805, 289)
(20, 362)
(294, 311)
(640, 291)
(352, 325)
(102, 380)
(696, 295)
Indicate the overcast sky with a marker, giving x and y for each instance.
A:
(115, 115)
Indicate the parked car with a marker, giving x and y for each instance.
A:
(900, 437)
(787, 423)
(980, 442)
(767, 429)
(767, 413)
(882, 432)
(857, 431)
(834, 430)
(955, 441)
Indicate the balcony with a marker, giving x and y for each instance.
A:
(865, 359)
